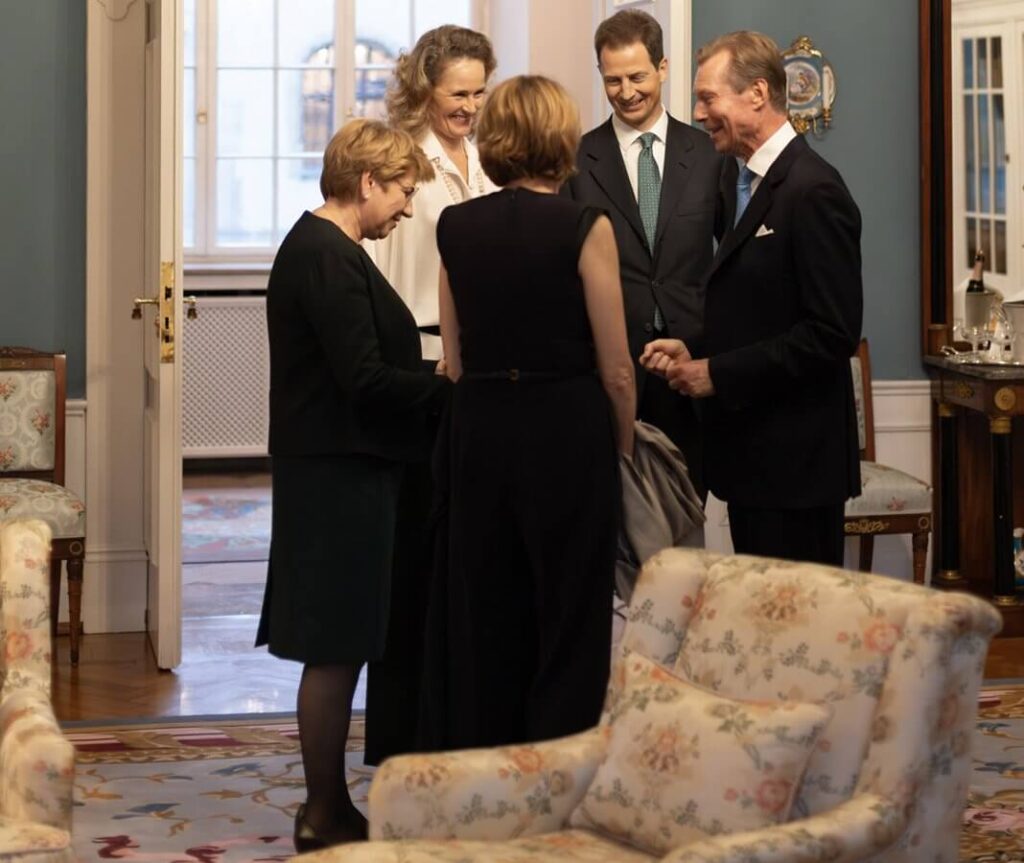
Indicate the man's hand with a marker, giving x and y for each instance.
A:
(690, 377)
(660, 354)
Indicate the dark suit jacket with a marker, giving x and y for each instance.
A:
(346, 371)
(782, 318)
(683, 247)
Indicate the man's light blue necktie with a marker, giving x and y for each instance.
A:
(743, 192)
(648, 194)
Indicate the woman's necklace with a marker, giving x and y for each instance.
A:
(454, 192)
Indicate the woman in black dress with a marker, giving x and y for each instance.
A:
(534, 335)
(350, 403)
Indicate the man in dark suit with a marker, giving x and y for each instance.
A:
(658, 180)
(782, 317)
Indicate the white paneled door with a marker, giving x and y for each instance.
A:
(162, 320)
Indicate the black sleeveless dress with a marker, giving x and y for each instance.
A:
(522, 616)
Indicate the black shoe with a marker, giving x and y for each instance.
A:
(305, 837)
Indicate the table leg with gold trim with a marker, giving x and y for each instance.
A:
(1004, 590)
(949, 552)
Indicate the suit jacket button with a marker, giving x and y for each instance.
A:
(655, 284)
(648, 327)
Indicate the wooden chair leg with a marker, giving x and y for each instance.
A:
(919, 542)
(75, 573)
(867, 552)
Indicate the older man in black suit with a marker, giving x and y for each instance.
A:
(658, 180)
(782, 317)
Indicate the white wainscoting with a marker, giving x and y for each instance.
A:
(903, 440)
(113, 599)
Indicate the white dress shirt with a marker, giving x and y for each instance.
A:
(764, 157)
(629, 144)
(408, 256)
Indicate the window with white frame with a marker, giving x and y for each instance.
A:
(265, 87)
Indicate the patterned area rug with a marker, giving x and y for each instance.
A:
(226, 791)
(209, 791)
(222, 525)
(994, 820)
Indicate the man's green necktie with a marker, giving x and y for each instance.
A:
(648, 193)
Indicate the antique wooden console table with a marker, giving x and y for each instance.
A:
(975, 488)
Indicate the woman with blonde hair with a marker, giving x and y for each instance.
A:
(351, 401)
(534, 336)
(437, 90)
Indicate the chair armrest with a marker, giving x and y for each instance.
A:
(497, 793)
(37, 763)
(854, 831)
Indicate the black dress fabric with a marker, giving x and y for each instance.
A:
(352, 412)
(520, 619)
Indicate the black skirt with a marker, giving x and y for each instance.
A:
(332, 544)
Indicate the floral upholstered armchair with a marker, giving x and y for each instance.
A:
(760, 711)
(36, 761)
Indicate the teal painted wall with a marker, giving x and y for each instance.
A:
(42, 180)
(872, 46)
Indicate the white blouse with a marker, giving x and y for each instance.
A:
(408, 256)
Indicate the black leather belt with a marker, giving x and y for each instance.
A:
(521, 375)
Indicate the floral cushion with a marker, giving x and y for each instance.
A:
(54, 504)
(684, 763)
(887, 490)
(566, 846)
(26, 420)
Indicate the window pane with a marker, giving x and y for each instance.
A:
(982, 63)
(999, 141)
(971, 180)
(984, 162)
(384, 23)
(189, 11)
(245, 32)
(1000, 264)
(433, 13)
(188, 204)
(303, 27)
(298, 184)
(188, 113)
(245, 113)
(244, 202)
(997, 61)
(371, 86)
(306, 111)
(968, 63)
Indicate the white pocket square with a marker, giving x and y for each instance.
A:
(764, 231)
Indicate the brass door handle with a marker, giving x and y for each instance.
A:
(139, 302)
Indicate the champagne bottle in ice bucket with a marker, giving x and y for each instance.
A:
(977, 300)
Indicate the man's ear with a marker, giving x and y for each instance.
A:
(759, 92)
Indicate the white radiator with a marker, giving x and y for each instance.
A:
(226, 378)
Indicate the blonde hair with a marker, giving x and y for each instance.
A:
(418, 71)
(752, 55)
(529, 127)
(370, 145)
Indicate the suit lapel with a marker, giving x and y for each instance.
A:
(674, 177)
(760, 203)
(604, 163)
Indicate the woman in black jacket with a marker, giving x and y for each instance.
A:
(351, 403)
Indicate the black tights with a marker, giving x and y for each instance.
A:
(324, 712)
